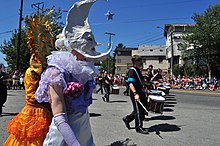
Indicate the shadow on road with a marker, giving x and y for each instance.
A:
(168, 105)
(9, 114)
(168, 110)
(164, 128)
(94, 115)
(162, 118)
(126, 142)
(170, 99)
(168, 102)
(169, 95)
(12, 95)
(117, 101)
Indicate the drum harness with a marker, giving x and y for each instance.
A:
(142, 85)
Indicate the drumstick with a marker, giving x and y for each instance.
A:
(154, 76)
(143, 106)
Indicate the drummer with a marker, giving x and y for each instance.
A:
(137, 94)
(158, 78)
(147, 80)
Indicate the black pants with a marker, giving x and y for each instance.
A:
(3, 95)
(138, 111)
(126, 92)
(107, 93)
(1, 109)
(100, 88)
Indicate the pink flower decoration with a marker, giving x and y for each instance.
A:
(74, 89)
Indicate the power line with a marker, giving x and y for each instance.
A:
(154, 40)
(145, 39)
(157, 4)
(160, 19)
(6, 32)
(139, 21)
(37, 5)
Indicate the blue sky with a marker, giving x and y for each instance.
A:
(134, 23)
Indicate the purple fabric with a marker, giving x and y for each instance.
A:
(61, 122)
(51, 76)
(63, 68)
(81, 103)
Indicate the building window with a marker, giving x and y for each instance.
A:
(161, 50)
(118, 68)
(119, 60)
(151, 50)
(129, 65)
(160, 60)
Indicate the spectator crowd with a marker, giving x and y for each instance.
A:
(175, 82)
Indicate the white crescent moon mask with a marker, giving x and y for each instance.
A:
(77, 34)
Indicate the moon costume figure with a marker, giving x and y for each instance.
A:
(72, 78)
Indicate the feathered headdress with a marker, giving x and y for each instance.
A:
(40, 41)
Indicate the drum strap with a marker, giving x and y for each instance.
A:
(137, 75)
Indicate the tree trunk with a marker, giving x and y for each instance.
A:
(209, 71)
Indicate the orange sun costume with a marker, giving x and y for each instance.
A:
(30, 126)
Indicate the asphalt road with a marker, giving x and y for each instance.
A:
(190, 118)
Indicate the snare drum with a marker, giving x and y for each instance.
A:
(156, 103)
(115, 90)
(157, 92)
(165, 89)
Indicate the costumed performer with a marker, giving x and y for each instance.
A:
(30, 126)
(68, 82)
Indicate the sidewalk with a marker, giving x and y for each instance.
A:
(216, 92)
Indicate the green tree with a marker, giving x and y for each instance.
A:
(205, 38)
(54, 17)
(9, 48)
(104, 65)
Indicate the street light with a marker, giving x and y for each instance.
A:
(172, 54)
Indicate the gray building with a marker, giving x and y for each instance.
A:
(174, 35)
(123, 59)
(152, 55)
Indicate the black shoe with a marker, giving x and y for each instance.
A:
(142, 131)
(103, 98)
(126, 123)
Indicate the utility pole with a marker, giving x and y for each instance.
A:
(172, 53)
(109, 46)
(37, 5)
(19, 35)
